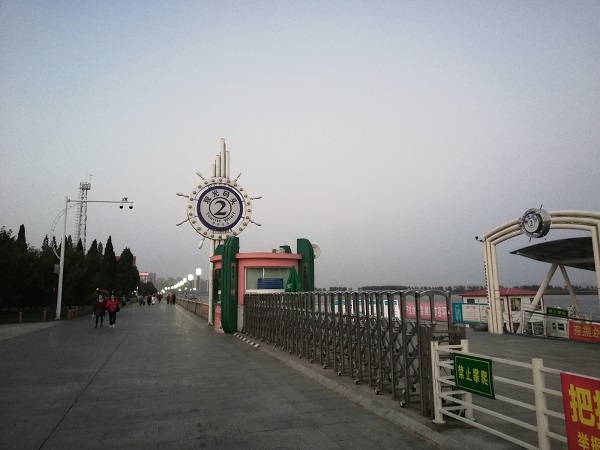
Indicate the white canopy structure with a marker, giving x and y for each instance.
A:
(536, 223)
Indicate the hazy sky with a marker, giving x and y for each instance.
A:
(388, 133)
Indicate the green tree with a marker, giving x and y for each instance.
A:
(21, 241)
(127, 277)
(83, 285)
(108, 269)
(8, 271)
(94, 259)
(16, 267)
(28, 276)
(146, 288)
(93, 250)
(74, 276)
(44, 276)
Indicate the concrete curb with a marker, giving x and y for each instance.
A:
(246, 340)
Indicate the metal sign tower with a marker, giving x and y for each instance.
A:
(81, 218)
(217, 208)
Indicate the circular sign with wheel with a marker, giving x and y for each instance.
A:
(535, 223)
(219, 208)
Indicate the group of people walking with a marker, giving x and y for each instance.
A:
(101, 306)
(111, 305)
(151, 299)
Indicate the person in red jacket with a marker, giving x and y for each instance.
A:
(113, 306)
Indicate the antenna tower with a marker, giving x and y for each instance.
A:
(81, 218)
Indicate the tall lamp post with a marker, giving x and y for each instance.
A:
(61, 271)
(190, 277)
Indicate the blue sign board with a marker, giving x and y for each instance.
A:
(472, 313)
(270, 283)
(457, 312)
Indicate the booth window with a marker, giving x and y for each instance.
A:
(515, 304)
(270, 277)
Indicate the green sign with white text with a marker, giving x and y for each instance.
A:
(557, 312)
(474, 375)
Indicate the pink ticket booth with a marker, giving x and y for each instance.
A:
(257, 273)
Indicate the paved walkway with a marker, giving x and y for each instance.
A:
(163, 379)
(11, 330)
(576, 357)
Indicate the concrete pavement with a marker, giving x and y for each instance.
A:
(163, 379)
(11, 330)
(575, 357)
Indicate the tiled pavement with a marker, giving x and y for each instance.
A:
(162, 379)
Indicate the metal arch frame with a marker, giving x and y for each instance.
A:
(52, 235)
(567, 219)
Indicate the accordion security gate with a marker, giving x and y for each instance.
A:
(379, 338)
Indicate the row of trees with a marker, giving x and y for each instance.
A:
(560, 289)
(29, 276)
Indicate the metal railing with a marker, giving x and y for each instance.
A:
(548, 325)
(379, 338)
(528, 397)
(198, 307)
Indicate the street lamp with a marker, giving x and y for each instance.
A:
(183, 283)
(64, 244)
(190, 277)
(198, 273)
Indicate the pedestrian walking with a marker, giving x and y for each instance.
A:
(113, 307)
(99, 310)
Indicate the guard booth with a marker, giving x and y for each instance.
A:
(235, 274)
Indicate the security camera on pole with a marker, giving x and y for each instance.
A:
(61, 270)
(218, 207)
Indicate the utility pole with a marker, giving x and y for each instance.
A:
(61, 271)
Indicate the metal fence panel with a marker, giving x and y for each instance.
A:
(368, 336)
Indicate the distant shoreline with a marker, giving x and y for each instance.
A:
(567, 293)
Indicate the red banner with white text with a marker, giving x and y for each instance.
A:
(580, 330)
(581, 402)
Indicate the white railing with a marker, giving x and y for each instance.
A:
(543, 324)
(532, 406)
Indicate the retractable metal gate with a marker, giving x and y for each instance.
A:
(379, 338)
